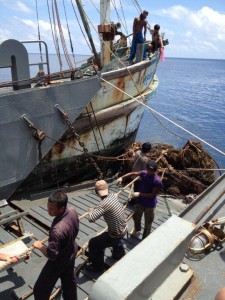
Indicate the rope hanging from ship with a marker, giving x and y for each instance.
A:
(166, 157)
(175, 166)
(77, 137)
(164, 117)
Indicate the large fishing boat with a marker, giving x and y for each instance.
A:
(51, 124)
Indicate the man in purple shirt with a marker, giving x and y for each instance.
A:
(61, 250)
(146, 200)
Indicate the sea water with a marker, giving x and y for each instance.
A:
(191, 93)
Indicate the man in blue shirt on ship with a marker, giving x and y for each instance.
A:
(146, 200)
(138, 25)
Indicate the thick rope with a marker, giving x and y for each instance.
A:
(69, 62)
(84, 247)
(164, 117)
(54, 35)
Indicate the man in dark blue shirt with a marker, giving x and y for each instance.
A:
(146, 197)
(61, 250)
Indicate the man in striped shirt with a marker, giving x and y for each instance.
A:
(113, 214)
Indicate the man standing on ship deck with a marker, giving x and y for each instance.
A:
(61, 250)
(146, 199)
(140, 160)
(138, 25)
(112, 212)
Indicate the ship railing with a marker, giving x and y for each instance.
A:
(46, 54)
(21, 78)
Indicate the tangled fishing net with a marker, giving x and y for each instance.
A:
(186, 171)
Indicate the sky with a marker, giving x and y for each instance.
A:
(194, 28)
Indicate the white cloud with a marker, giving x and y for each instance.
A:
(211, 46)
(44, 25)
(206, 19)
(28, 23)
(188, 34)
(22, 7)
(197, 33)
(176, 12)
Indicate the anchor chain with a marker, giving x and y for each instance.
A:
(38, 134)
(77, 137)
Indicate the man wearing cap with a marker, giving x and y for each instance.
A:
(113, 214)
(146, 199)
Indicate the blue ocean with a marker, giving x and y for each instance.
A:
(191, 93)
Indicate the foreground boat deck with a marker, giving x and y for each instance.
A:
(21, 278)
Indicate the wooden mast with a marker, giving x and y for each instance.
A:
(88, 31)
(105, 20)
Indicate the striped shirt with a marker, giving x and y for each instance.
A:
(113, 214)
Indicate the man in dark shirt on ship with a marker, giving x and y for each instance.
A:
(61, 250)
(146, 200)
(140, 160)
(113, 213)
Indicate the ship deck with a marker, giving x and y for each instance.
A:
(21, 277)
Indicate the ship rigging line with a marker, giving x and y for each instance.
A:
(54, 36)
(118, 16)
(69, 62)
(39, 35)
(68, 29)
(81, 26)
(125, 26)
(164, 117)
